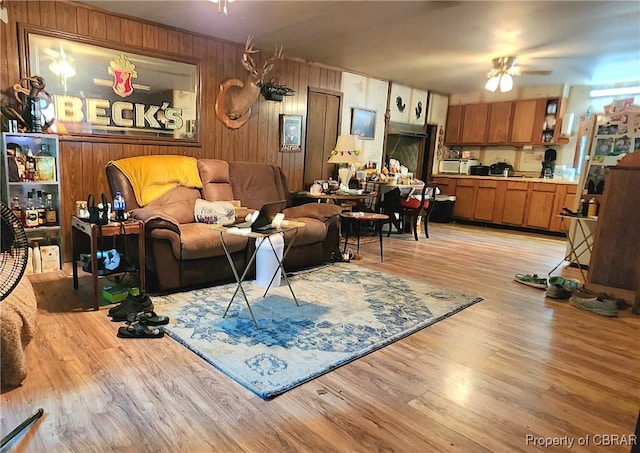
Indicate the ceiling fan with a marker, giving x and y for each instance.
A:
(504, 69)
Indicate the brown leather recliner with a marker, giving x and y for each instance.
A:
(182, 253)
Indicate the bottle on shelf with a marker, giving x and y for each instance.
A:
(20, 162)
(119, 206)
(42, 218)
(30, 166)
(17, 209)
(51, 215)
(31, 212)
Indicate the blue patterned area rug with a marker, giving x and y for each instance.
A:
(345, 312)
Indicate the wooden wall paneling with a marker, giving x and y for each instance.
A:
(150, 36)
(163, 39)
(11, 39)
(113, 28)
(173, 41)
(132, 33)
(72, 158)
(314, 77)
(97, 22)
(4, 76)
(48, 14)
(33, 13)
(82, 21)
(66, 18)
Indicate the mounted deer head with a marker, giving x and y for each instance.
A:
(234, 101)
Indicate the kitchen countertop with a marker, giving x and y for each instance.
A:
(509, 178)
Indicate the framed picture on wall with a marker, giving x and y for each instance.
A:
(290, 132)
(363, 123)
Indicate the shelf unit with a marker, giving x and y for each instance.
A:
(45, 149)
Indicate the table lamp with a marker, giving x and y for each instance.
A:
(346, 152)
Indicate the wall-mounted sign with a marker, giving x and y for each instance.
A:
(113, 93)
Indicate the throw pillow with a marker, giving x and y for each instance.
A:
(220, 212)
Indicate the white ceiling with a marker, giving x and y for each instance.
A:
(443, 46)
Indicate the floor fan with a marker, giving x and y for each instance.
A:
(14, 252)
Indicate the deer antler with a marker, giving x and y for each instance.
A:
(247, 61)
(270, 62)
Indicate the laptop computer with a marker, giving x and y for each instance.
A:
(266, 215)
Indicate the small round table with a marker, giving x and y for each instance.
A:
(359, 217)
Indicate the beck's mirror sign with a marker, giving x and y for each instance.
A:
(98, 90)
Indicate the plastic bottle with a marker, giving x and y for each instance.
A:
(119, 206)
(37, 259)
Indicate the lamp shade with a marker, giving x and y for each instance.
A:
(347, 151)
(492, 83)
(506, 83)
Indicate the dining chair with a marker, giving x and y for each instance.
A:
(411, 209)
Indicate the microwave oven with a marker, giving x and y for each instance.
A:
(466, 164)
(449, 166)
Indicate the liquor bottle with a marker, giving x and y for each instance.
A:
(35, 114)
(31, 213)
(51, 215)
(17, 209)
(41, 210)
(30, 166)
(20, 162)
(119, 206)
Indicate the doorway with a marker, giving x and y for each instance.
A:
(323, 126)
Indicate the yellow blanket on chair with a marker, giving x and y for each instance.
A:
(153, 176)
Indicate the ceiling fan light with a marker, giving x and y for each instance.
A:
(62, 68)
(492, 84)
(506, 83)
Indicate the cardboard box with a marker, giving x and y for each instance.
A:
(50, 256)
(114, 294)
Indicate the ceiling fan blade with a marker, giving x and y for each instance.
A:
(540, 72)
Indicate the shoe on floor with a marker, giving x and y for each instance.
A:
(570, 284)
(604, 308)
(531, 280)
(137, 330)
(557, 292)
(132, 304)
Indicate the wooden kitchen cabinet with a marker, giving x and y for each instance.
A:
(565, 197)
(453, 130)
(447, 186)
(540, 206)
(485, 200)
(474, 124)
(464, 207)
(499, 122)
(524, 116)
(515, 199)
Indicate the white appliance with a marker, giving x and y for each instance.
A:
(449, 166)
(466, 164)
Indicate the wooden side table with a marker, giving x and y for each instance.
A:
(80, 230)
(359, 217)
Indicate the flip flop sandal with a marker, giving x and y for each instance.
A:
(531, 280)
(148, 318)
(137, 330)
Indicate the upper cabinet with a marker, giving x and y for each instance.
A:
(499, 122)
(474, 124)
(524, 113)
(522, 122)
(454, 124)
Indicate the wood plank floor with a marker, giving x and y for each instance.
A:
(515, 365)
